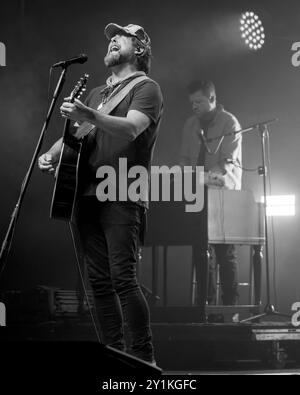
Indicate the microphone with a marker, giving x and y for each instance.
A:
(82, 58)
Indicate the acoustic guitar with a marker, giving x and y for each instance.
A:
(66, 175)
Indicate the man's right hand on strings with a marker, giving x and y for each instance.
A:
(46, 164)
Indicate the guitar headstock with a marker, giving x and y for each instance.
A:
(80, 88)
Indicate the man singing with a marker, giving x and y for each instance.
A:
(110, 231)
(211, 120)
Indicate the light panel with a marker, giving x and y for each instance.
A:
(252, 31)
(281, 206)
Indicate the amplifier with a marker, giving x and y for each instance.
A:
(44, 304)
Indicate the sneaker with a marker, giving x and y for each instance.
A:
(153, 364)
(236, 318)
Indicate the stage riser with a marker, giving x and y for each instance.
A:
(178, 347)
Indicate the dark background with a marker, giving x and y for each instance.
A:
(191, 39)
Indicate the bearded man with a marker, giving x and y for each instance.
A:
(110, 232)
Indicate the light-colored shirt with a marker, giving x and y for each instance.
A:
(230, 149)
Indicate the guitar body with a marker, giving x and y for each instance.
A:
(67, 172)
(66, 183)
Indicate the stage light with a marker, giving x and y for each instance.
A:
(252, 29)
(281, 206)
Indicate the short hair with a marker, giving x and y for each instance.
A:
(143, 61)
(206, 86)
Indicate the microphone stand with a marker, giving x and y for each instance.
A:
(242, 131)
(6, 245)
(262, 127)
(269, 309)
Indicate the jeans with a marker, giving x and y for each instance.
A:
(225, 256)
(109, 234)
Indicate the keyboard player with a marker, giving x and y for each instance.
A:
(210, 120)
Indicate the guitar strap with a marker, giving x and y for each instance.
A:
(85, 128)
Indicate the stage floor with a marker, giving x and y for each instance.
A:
(283, 372)
(185, 348)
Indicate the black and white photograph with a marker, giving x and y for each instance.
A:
(150, 193)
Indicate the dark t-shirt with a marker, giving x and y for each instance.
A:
(102, 149)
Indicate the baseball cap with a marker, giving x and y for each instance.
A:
(133, 30)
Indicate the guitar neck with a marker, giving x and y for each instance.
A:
(66, 129)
